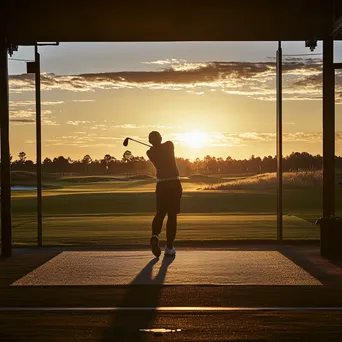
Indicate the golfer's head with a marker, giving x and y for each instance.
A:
(155, 138)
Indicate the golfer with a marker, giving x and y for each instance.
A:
(168, 192)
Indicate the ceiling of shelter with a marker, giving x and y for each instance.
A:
(212, 20)
(338, 19)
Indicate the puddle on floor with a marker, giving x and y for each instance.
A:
(160, 330)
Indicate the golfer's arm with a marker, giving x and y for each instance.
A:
(170, 145)
(150, 156)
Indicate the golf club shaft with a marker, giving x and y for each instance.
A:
(139, 142)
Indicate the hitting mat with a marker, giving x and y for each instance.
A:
(197, 267)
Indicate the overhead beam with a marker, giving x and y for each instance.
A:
(191, 20)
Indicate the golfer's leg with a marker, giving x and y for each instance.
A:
(157, 223)
(171, 229)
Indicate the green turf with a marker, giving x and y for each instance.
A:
(131, 230)
(114, 210)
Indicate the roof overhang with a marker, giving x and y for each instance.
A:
(338, 29)
(212, 20)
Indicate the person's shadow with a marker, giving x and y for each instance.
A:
(125, 325)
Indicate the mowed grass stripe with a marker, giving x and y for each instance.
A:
(136, 229)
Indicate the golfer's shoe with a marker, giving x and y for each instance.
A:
(154, 241)
(170, 252)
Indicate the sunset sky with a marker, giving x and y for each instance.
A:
(209, 98)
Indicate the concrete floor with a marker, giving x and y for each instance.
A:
(190, 267)
(161, 327)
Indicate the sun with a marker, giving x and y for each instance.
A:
(193, 139)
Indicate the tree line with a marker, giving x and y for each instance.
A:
(130, 164)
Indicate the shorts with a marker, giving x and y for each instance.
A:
(168, 195)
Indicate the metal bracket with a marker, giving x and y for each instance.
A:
(11, 49)
(311, 44)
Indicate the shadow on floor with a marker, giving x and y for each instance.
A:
(24, 261)
(310, 260)
(125, 325)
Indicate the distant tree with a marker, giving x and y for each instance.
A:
(198, 165)
(60, 164)
(210, 164)
(296, 161)
(47, 165)
(184, 166)
(255, 164)
(86, 161)
(107, 160)
(127, 160)
(220, 165)
(127, 157)
(77, 167)
(22, 157)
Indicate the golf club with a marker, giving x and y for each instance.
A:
(125, 143)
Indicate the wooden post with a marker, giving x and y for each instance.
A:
(328, 128)
(39, 150)
(6, 219)
(279, 144)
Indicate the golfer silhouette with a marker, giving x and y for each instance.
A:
(168, 192)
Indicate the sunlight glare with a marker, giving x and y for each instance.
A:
(194, 139)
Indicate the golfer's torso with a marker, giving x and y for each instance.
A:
(165, 162)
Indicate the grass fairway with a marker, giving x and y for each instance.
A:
(133, 230)
(114, 211)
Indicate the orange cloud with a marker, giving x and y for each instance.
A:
(302, 79)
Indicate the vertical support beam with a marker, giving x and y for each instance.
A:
(279, 134)
(328, 128)
(39, 149)
(6, 219)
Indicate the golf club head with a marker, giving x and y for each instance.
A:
(125, 143)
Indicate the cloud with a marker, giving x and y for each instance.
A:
(221, 139)
(83, 100)
(166, 61)
(82, 141)
(110, 124)
(14, 104)
(28, 116)
(195, 92)
(126, 126)
(178, 64)
(51, 103)
(209, 139)
(78, 122)
(23, 120)
(301, 76)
